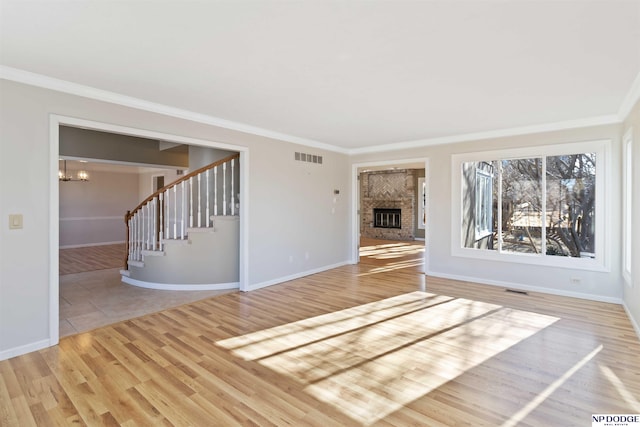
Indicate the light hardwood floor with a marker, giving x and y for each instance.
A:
(371, 344)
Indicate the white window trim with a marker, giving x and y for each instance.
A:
(601, 262)
(482, 232)
(422, 195)
(627, 203)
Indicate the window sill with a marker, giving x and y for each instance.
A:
(571, 263)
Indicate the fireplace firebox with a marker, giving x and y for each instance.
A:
(387, 218)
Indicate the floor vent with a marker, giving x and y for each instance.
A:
(310, 158)
(515, 291)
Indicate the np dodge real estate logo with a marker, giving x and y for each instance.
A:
(615, 420)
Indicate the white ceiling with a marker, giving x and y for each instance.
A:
(350, 74)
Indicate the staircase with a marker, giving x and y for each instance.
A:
(185, 236)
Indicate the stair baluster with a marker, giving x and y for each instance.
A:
(175, 212)
(160, 221)
(215, 185)
(199, 203)
(184, 208)
(207, 222)
(190, 194)
(224, 189)
(233, 201)
(154, 221)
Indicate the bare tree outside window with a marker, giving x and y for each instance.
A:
(571, 200)
(521, 205)
(540, 205)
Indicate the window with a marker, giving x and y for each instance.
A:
(627, 202)
(541, 205)
(570, 210)
(519, 228)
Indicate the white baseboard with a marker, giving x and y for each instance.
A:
(86, 245)
(24, 349)
(518, 286)
(180, 287)
(295, 276)
(633, 321)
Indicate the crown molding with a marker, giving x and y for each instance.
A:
(633, 96)
(499, 133)
(46, 82)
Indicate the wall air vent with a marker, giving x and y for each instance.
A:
(309, 158)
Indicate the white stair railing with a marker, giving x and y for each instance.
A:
(170, 211)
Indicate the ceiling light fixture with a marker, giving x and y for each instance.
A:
(63, 176)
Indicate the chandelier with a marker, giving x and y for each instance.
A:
(63, 176)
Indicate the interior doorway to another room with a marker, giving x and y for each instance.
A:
(391, 203)
(87, 291)
(158, 182)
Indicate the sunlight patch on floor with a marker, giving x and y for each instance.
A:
(391, 250)
(516, 418)
(399, 265)
(370, 360)
(626, 395)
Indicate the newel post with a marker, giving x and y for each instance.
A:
(126, 255)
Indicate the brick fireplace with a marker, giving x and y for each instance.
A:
(387, 204)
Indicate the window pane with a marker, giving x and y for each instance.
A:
(522, 205)
(478, 199)
(570, 218)
(484, 205)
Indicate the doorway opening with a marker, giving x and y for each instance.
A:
(158, 182)
(390, 203)
(155, 182)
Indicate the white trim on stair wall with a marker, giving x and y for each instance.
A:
(179, 287)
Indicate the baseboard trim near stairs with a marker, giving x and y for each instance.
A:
(180, 287)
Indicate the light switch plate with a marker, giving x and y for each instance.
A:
(15, 221)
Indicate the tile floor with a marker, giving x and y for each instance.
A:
(92, 299)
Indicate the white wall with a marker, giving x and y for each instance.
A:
(93, 212)
(605, 286)
(294, 225)
(632, 293)
(297, 208)
(203, 156)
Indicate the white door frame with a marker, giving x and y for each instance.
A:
(153, 182)
(355, 203)
(55, 121)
